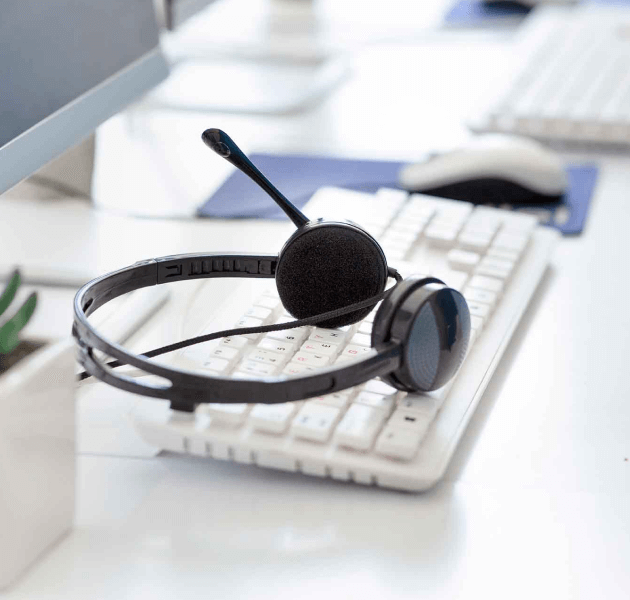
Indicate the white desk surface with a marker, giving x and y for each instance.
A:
(536, 502)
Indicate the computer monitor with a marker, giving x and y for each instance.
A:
(65, 67)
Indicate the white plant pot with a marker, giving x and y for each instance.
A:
(37, 456)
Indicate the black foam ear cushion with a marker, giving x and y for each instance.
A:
(329, 265)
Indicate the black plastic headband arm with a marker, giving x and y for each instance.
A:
(168, 269)
(186, 389)
(200, 339)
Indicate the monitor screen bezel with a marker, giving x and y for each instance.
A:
(73, 122)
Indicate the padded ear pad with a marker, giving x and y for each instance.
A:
(432, 323)
(327, 265)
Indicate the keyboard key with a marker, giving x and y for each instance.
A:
(511, 241)
(492, 272)
(424, 404)
(225, 352)
(475, 242)
(379, 387)
(334, 336)
(393, 198)
(482, 224)
(478, 295)
(471, 340)
(365, 327)
(476, 323)
(399, 238)
(337, 400)
(296, 369)
(352, 351)
(370, 317)
(249, 322)
(512, 255)
(323, 348)
(420, 205)
(198, 353)
(219, 365)
(443, 237)
(462, 259)
(272, 418)
(489, 284)
(310, 359)
(359, 427)
(455, 279)
(315, 422)
(394, 253)
(293, 336)
(380, 401)
(398, 443)
(270, 302)
(412, 420)
(252, 367)
(232, 414)
(272, 345)
(478, 309)
(260, 312)
(284, 318)
(452, 210)
(497, 263)
(236, 341)
(267, 357)
(361, 339)
(402, 226)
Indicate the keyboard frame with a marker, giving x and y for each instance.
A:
(178, 432)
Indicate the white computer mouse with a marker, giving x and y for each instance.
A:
(491, 168)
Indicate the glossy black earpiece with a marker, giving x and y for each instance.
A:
(432, 324)
(324, 265)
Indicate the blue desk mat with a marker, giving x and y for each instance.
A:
(476, 13)
(299, 177)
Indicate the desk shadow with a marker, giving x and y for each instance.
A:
(493, 391)
(290, 521)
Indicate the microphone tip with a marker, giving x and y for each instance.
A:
(213, 138)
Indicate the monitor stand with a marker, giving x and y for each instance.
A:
(46, 220)
(276, 61)
(69, 175)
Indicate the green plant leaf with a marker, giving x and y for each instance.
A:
(9, 292)
(9, 331)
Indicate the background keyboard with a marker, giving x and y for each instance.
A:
(572, 79)
(370, 434)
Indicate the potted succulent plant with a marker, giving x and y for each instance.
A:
(37, 438)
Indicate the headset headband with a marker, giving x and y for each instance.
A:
(186, 389)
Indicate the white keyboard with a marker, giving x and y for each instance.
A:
(371, 434)
(573, 84)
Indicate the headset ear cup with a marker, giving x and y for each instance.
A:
(432, 324)
(326, 265)
(385, 314)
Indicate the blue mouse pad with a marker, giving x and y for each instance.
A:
(471, 13)
(299, 177)
(475, 13)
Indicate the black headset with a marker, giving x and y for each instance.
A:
(329, 273)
